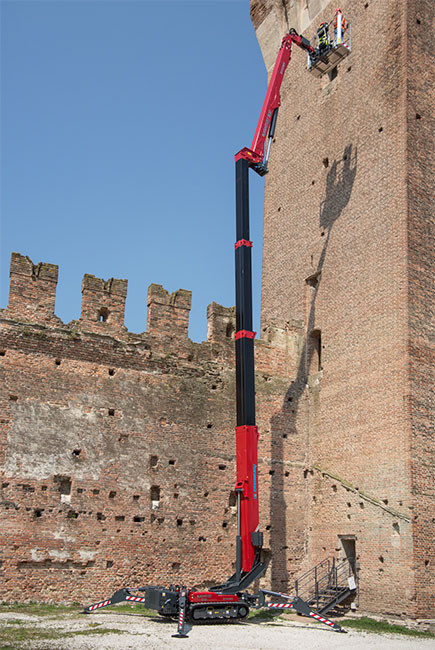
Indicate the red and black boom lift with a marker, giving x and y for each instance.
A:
(231, 600)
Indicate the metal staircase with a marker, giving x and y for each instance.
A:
(328, 584)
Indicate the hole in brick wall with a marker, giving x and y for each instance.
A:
(100, 516)
(271, 472)
(305, 473)
(279, 209)
(325, 162)
(313, 182)
(38, 512)
(385, 501)
(286, 473)
(136, 497)
(417, 116)
(109, 564)
(314, 499)
(192, 522)
(348, 516)
(222, 467)
(2, 353)
(58, 362)
(179, 522)
(224, 524)
(65, 485)
(111, 412)
(43, 488)
(175, 566)
(209, 426)
(361, 505)
(153, 461)
(103, 315)
(5, 485)
(418, 21)
(76, 452)
(232, 499)
(171, 462)
(229, 330)
(381, 128)
(426, 563)
(120, 518)
(396, 528)
(366, 5)
(138, 519)
(298, 117)
(381, 559)
(13, 398)
(268, 527)
(112, 494)
(175, 495)
(155, 493)
(214, 387)
(349, 505)
(322, 234)
(349, 68)
(206, 494)
(284, 435)
(123, 437)
(95, 491)
(111, 372)
(334, 488)
(201, 539)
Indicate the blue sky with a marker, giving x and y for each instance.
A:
(120, 120)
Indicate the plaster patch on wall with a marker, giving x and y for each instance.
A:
(41, 438)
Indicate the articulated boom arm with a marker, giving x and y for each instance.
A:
(249, 539)
(256, 154)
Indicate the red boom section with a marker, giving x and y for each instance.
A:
(247, 486)
(272, 101)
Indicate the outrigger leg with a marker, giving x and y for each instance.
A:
(301, 607)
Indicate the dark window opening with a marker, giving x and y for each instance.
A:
(65, 485)
(103, 314)
(314, 352)
(229, 332)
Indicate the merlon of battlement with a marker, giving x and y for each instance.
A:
(168, 314)
(32, 291)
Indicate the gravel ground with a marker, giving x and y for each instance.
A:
(140, 632)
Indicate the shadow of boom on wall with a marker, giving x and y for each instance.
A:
(289, 440)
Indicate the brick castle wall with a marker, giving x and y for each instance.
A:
(117, 450)
(347, 253)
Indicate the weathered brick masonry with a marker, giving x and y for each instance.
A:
(348, 251)
(117, 449)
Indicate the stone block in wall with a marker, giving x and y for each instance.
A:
(221, 323)
(32, 293)
(103, 303)
(168, 314)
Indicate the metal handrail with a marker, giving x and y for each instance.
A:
(328, 574)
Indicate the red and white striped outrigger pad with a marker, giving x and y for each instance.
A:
(103, 603)
(118, 597)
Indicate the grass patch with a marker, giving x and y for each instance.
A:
(40, 609)
(263, 615)
(367, 624)
(13, 636)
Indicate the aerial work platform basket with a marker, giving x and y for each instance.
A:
(331, 49)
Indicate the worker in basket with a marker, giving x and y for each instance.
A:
(323, 39)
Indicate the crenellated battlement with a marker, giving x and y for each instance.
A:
(33, 294)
